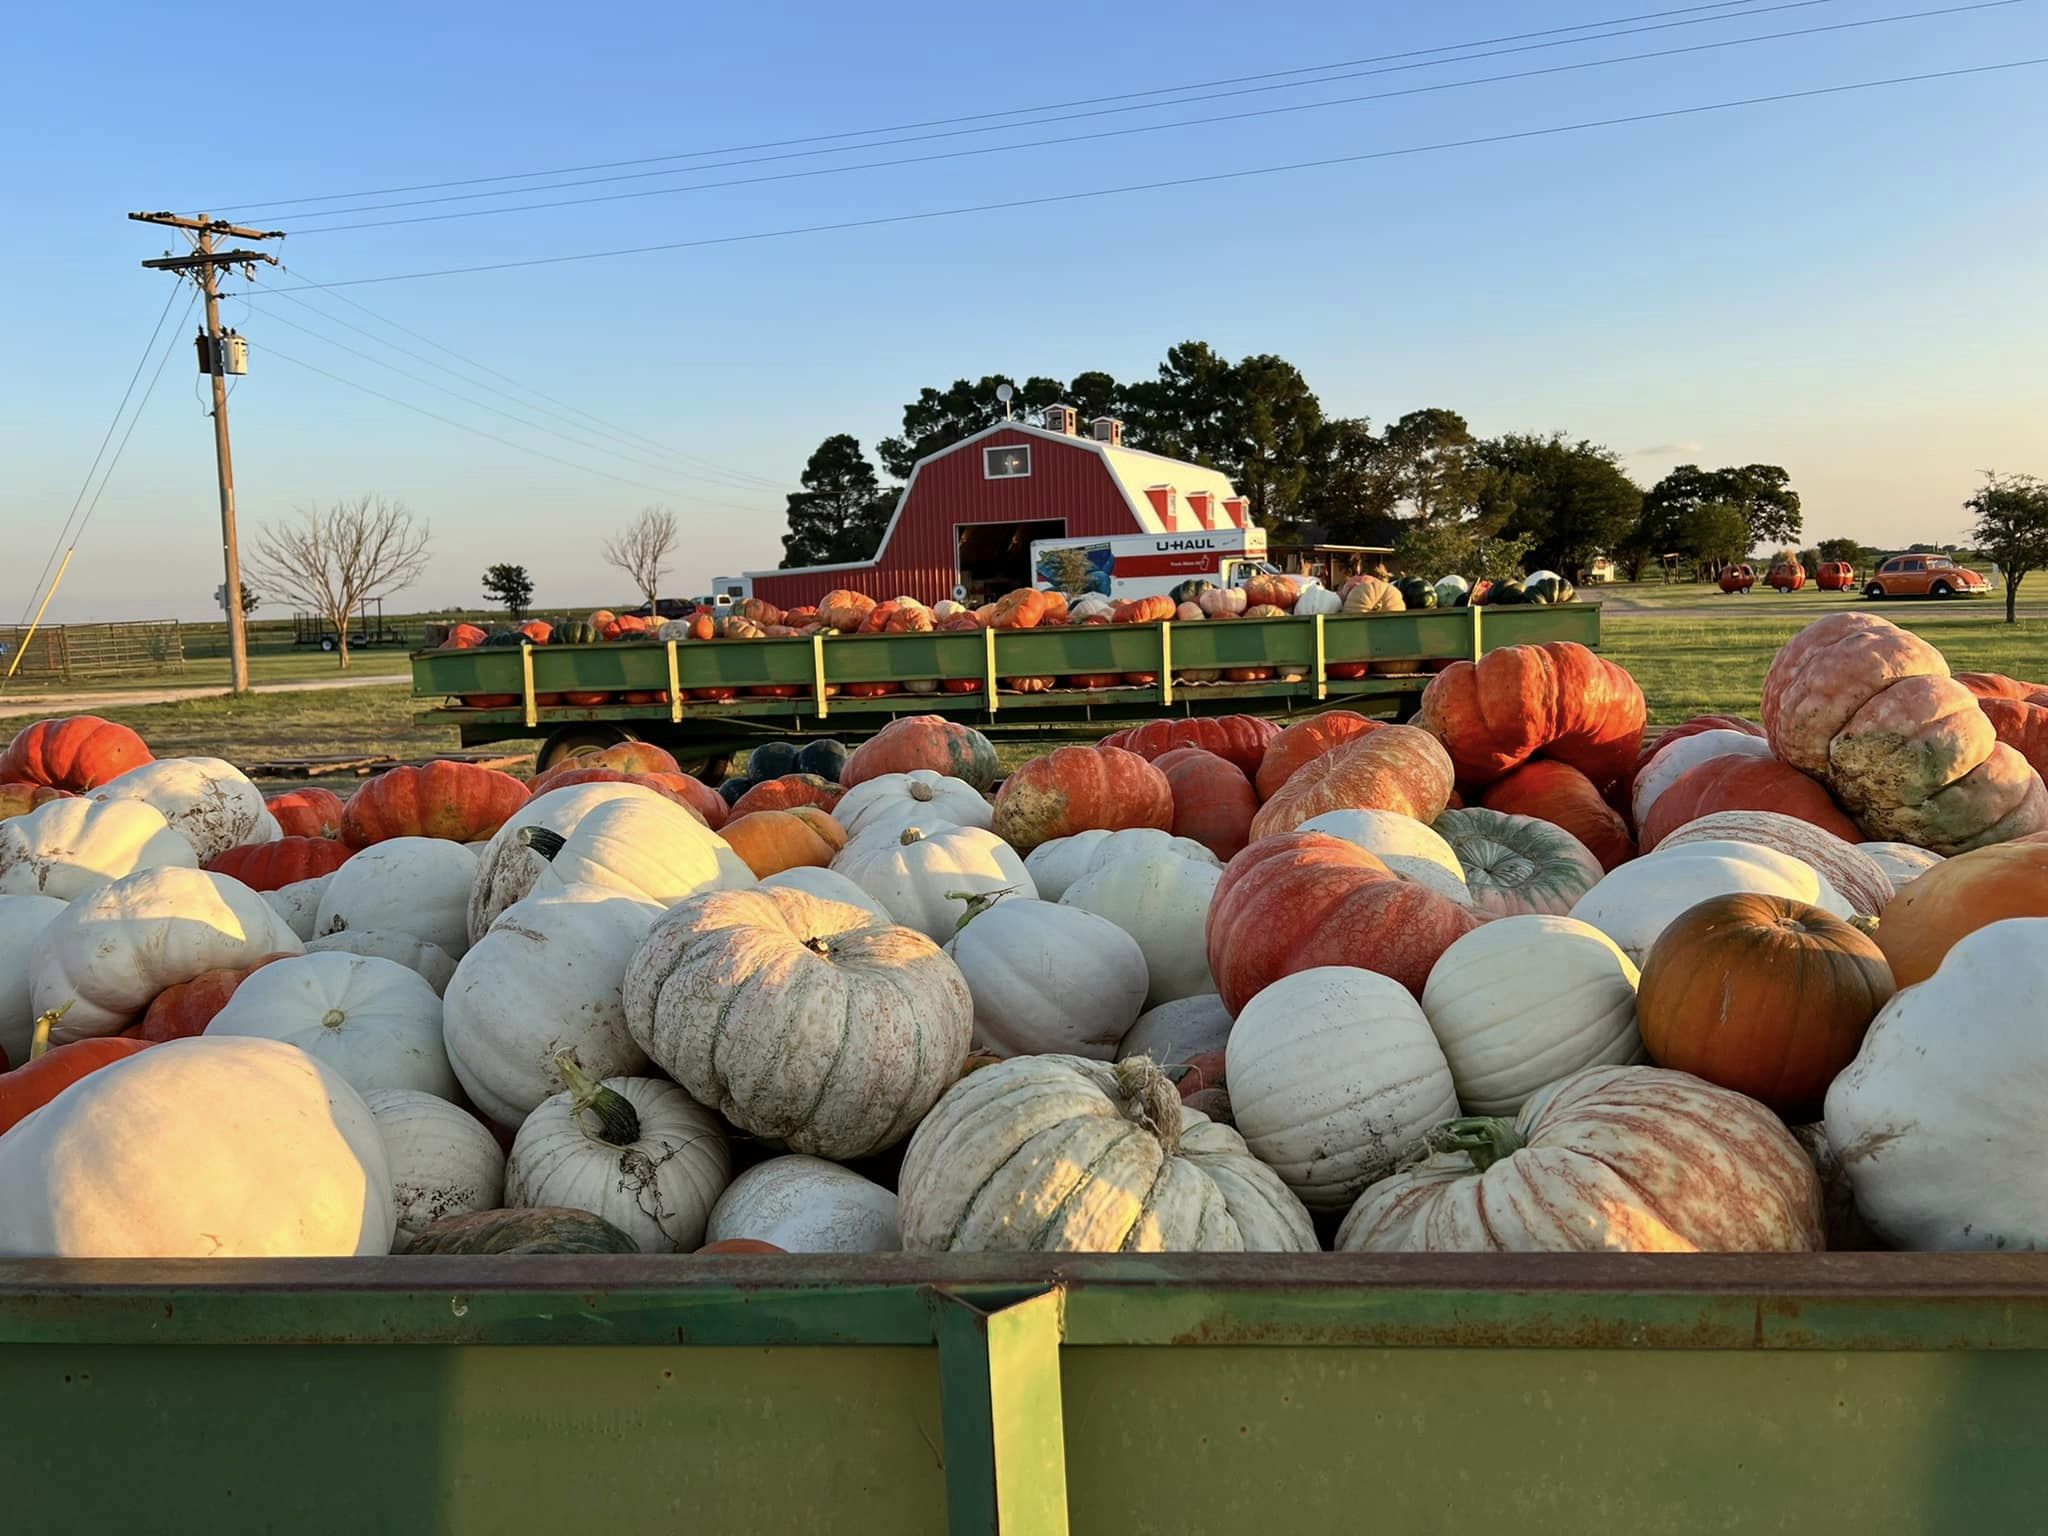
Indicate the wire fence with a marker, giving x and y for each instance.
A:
(65, 652)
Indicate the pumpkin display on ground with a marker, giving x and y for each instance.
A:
(1517, 864)
(1395, 768)
(806, 1205)
(1559, 699)
(1079, 789)
(1932, 913)
(77, 752)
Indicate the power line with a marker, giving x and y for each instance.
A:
(1207, 179)
(1196, 122)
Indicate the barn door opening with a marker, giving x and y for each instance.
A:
(994, 558)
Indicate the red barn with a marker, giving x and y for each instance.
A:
(965, 523)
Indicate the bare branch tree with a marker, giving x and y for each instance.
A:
(335, 562)
(642, 550)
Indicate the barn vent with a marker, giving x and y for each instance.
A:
(1061, 418)
(1108, 429)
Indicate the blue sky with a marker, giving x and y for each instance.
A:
(1847, 285)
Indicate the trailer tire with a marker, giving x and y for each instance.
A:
(570, 739)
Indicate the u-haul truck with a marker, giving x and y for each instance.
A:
(1129, 566)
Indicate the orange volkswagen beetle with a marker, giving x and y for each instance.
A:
(1924, 576)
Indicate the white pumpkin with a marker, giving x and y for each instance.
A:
(299, 903)
(801, 1020)
(1090, 606)
(1156, 890)
(1519, 1002)
(920, 798)
(806, 1205)
(945, 608)
(921, 877)
(826, 885)
(1901, 862)
(374, 1022)
(1410, 849)
(544, 980)
(415, 885)
(1687, 752)
(104, 958)
(1517, 864)
(1318, 599)
(210, 803)
(637, 1151)
(1062, 1154)
(1636, 902)
(443, 1161)
(22, 921)
(410, 950)
(1049, 978)
(68, 847)
(1334, 1077)
(1175, 1033)
(200, 1148)
(1611, 1159)
(267, 829)
(638, 843)
(1056, 865)
(1937, 1120)
(1856, 877)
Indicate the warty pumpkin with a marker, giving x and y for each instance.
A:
(1298, 744)
(69, 847)
(1558, 698)
(1074, 789)
(923, 741)
(75, 752)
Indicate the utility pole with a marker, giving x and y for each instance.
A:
(203, 267)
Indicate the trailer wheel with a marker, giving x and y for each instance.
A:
(571, 739)
(327, 642)
(714, 770)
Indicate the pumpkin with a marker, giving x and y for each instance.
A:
(1611, 1159)
(1900, 862)
(1634, 904)
(209, 803)
(1143, 610)
(787, 793)
(1334, 1076)
(771, 760)
(70, 847)
(1011, 949)
(1452, 591)
(206, 1148)
(1931, 914)
(189, 1007)
(457, 801)
(1761, 994)
(1559, 699)
(1240, 740)
(1660, 771)
(624, 757)
(20, 799)
(844, 610)
(921, 879)
(443, 1162)
(1669, 736)
(1856, 877)
(465, 637)
(1213, 802)
(417, 885)
(922, 798)
(1369, 594)
(1518, 1003)
(1317, 599)
(1265, 611)
(1301, 900)
(1056, 866)
(1157, 888)
(1827, 672)
(1223, 602)
(1028, 684)
(269, 866)
(112, 950)
(1411, 850)
(825, 758)
(1739, 783)
(1174, 1034)
(826, 885)
(299, 904)
(1188, 613)
(636, 1151)
(1559, 794)
(375, 1023)
(77, 752)
(923, 741)
(540, 1229)
(676, 788)
(306, 812)
(434, 964)
(575, 632)
(37, 1079)
(799, 1019)
(1065, 1155)
(1074, 789)
(1271, 589)
(22, 921)
(2022, 726)
(1936, 1122)
(798, 1204)
(768, 842)
(695, 630)
(1395, 768)
(1517, 864)
(1021, 609)
(1304, 741)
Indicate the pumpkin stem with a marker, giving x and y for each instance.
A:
(39, 1041)
(978, 902)
(1150, 1100)
(1485, 1139)
(542, 840)
(911, 835)
(618, 1122)
(920, 791)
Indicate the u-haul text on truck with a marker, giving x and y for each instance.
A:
(1147, 564)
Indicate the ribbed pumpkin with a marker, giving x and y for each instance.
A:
(676, 788)
(306, 812)
(533, 1229)
(187, 1008)
(459, 802)
(1264, 589)
(1561, 795)
(772, 841)
(787, 793)
(2021, 725)
(1223, 602)
(1672, 734)
(1075, 789)
(20, 799)
(1395, 768)
(1931, 914)
(1760, 994)
(1559, 699)
(1679, 759)
(1143, 610)
(923, 741)
(1303, 741)
(1213, 802)
(1743, 784)
(1238, 739)
(1369, 594)
(274, 865)
(845, 610)
(76, 752)
(1518, 864)
(1021, 609)
(1857, 877)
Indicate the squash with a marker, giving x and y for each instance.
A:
(1369, 594)
(922, 879)
(375, 1023)
(1900, 862)
(1761, 994)
(1302, 900)
(1213, 801)
(624, 757)
(1075, 789)
(1559, 699)
(923, 741)
(1931, 914)
(545, 978)
(1827, 672)
(1334, 1077)
(1157, 888)
(1297, 745)
(1741, 783)
(1240, 740)
(443, 1162)
(205, 1148)
(69, 847)
(1518, 1003)
(211, 804)
(1223, 602)
(1411, 850)
(769, 842)
(787, 793)
(1064, 1155)
(287, 861)
(76, 752)
(1056, 866)
(1856, 877)
(636, 1151)
(805, 1205)
(1451, 591)
(434, 965)
(1638, 901)
(1936, 1122)
(1317, 599)
(114, 949)
(816, 880)
(1516, 864)
(20, 799)
(536, 1230)
(799, 1019)
(1611, 1159)
(893, 801)
(676, 788)
(22, 921)
(1143, 610)
(461, 802)
(1661, 769)
(189, 1007)
(1048, 978)
(1021, 609)
(1559, 794)
(416, 885)
(1548, 587)
(1174, 1034)
(1188, 613)
(37, 1079)
(1395, 768)
(299, 904)
(771, 760)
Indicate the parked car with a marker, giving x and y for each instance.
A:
(1738, 578)
(1835, 576)
(1925, 576)
(1787, 576)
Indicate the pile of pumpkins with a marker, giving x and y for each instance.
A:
(1517, 975)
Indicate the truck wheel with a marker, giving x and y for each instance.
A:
(327, 642)
(571, 739)
(1875, 589)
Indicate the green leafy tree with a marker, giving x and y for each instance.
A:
(1761, 492)
(1570, 501)
(1095, 394)
(1435, 550)
(1428, 460)
(1716, 533)
(1842, 551)
(510, 588)
(938, 419)
(841, 511)
(2012, 528)
(1256, 420)
(1501, 558)
(1350, 492)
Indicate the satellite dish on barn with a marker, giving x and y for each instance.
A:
(1005, 394)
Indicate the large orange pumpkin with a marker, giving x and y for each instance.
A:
(20, 799)
(2023, 727)
(845, 610)
(307, 812)
(1301, 900)
(924, 741)
(1743, 784)
(187, 1008)
(1080, 789)
(1143, 610)
(771, 841)
(1213, 802)
(76, 752)
(32, 1084)
(1021, 609)
(760, 610)
(1561, 795)
(1238, 739)
(679, 788)
(1692, 727)
(788, 792)
(1395, 768)
(1558, 699)
(1761, 994)
(1304, 741)
(626, 757)
(464, 637)
(288, 860)
(1934, 911)
(457, 801)
(1268, 590)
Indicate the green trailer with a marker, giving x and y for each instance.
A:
(705, 702)
(1567, 1394)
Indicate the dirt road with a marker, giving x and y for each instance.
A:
(72, 703)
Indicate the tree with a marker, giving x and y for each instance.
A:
(642, 549)
(2012, 528)
(1570, 501)
(1716, 533)
(337, 561)
(510, 588)
(1428, 460)
(1350, 493)
(1761, 492)
(842, 509)
(940, 418)
(1433, 550)
(1095, 394)
(1842, 551)
(1255, 420)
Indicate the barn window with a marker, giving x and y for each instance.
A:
(1007, 463)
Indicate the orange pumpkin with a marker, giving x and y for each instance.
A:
(187, 1008)
(760, 610)
(1055, 610)
(960, 685)
(626, 757)
(798, 618)
(1744, 784)
(307, 812)
(33, 1083)
(737, 627)
(1271, 591)
(1692, 727)
(911, 742)
(587, 699)
(845, 610)
(677, 788)
(1241, 740)
(1092, 680)
(873, 690)
(539, 631)
(1141, 679)
(1934, 911)
(1143, 610)
(76, 752)
(741, 1245)
(286, 861)
(1303, 742)
(1213, 802)
(701, 625)
(955, 623)
(771, 841)
(20, 799)
(496, 700)
(718, 695)
(788, 792)
(1395, 768)
(1561, 795)
(1761, 994)
(1029, 684)
(1247, 674)
(1077, 789)
(2023, 726)
(1558, 699)
(1021, 609)
(464, 637)
(461, 802)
